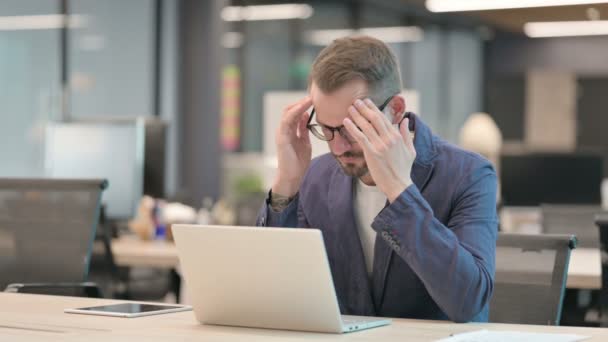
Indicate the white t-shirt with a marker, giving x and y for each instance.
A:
(369, 201)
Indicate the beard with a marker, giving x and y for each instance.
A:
(352, 169)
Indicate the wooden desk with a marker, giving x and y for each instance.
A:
(584, 271)
(26, 318)
(131, 251)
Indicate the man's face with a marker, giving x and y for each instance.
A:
(330, 110)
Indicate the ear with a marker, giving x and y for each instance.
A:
(397, 108)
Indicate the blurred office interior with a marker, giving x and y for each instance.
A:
(178, 100)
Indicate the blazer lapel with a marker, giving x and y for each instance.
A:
(421, 174)
(350, 276)
(382, 259)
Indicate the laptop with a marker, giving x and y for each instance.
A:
(276, 278)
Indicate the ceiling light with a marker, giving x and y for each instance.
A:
(482, 5)
(395, 34)
(267, 12)
(566, 28)
(41, 22)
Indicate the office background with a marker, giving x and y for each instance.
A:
(207, 76)
(139, 58)
(176, 99)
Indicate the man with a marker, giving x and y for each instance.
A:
(409, 221)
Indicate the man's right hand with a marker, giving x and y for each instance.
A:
(293, 148)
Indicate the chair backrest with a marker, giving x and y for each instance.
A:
(602, 224)
(572, 219)
(47, 227)
(530, 281)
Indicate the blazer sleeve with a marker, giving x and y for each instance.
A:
(456, 262)
(291, 217)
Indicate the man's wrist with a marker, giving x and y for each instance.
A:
(279, 202)
(392, 197)
(285, 189)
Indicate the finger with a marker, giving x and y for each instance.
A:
(364, 125)
(302, 129)
(294, 113)
(406, 134)
(373, 115)
(354, 132)
(387, 123)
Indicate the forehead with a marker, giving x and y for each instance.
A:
(332, 108)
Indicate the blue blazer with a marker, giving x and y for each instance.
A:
(434, 255)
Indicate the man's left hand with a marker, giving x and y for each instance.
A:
(389, 152)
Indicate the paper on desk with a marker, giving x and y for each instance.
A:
(512, 336)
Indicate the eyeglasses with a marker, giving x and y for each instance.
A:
(327, 133)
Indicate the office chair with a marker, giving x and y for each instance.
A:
(531, 273)
(47, 227)
(572, 219)
(602, 224)
(581, 306)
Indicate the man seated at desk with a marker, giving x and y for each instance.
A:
(409, 221)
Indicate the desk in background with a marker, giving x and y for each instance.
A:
(584, 271)
(26, 317)
(134, 252)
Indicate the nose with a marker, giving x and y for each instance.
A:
(340, 144)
